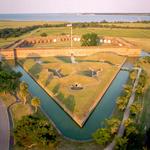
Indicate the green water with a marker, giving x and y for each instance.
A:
(63, 122)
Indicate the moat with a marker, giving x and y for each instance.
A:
(63, 121)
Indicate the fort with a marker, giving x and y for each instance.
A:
(24, 48)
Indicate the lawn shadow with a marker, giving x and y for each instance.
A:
(35, 70)
(64, 59)
(86, 73)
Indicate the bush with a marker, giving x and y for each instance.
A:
(43, 34)
(90, 39)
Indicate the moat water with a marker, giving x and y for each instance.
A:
(63, 121)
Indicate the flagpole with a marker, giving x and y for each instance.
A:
(71, 35)
(70, 25)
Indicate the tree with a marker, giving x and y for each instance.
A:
(128, 122)
(131, 129)
(89, 39)
(133, 75)
(121, 143)
(128, 89)
(33, 130)
(113, 124)
(35, 102)
(9, 80)
(121, 103)
(135, 141)
(102, 136)
(24, 93)
(135, 108)
(139, 90)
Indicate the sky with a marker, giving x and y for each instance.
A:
(74, 6)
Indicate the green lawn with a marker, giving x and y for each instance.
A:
(132, 33)
(129, 24)
(140, 37)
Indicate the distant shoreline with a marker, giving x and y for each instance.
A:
(142, 14)
(77, 17)
(89, 13)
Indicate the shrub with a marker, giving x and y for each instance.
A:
(90, 39)
(43, 34)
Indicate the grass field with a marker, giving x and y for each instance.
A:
(17, 24)
(139, 37)
(129, 24)
(143, 43)
(133, 33)
(77, 102)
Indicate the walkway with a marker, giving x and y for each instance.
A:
(127, 111)
(4, 127)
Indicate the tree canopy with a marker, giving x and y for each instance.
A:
(90, 39)
(9, 80)
(33, 130)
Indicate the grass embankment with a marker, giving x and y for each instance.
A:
(145, 115)
(78, 102)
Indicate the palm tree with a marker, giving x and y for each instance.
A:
(128, 122)
(121, 143)
(24, 93)
(133, 75)
(102, 136)
(139, 90)
(121, 103)
(35, 102)
(128, 89)
(135, 108)
(131, 129)
(113, 124)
